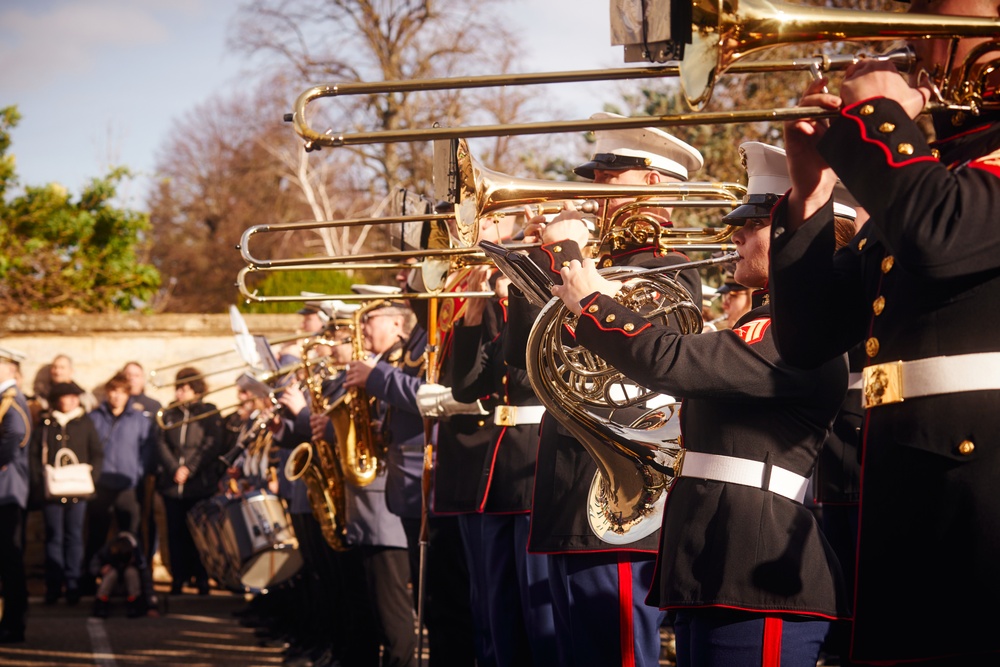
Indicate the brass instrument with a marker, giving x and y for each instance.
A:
(360, 446)
(483, 193)
(260, 384)
(634, 453)
(323, 476)
(720, 33)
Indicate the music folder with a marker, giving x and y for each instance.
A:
(527, 276)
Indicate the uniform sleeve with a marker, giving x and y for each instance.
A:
(817, 297)
(724, 365)
(938, 222)
(391, 385)
(13, 432)
(472, 374)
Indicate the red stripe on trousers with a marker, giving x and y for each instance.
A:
(626, 628)
(771, 649)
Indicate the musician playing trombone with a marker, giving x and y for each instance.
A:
(743, 567)
(919, 288)
(597, 588)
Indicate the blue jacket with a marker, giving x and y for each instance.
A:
(394, 381)
(129, 443)
(15, 432)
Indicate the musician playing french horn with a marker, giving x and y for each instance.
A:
(597, 588)
(742, 565)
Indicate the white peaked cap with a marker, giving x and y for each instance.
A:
(13, 356)
(342, 309)
(767, 169)
(375, 290)
(655, 147)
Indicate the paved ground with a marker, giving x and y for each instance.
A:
(196, 631)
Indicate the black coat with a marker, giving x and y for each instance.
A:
(921, 280)
(507, 461)
(79, 435)
(564, 470)
(197, 445)
(723, 544)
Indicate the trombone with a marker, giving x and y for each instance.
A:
(484, 193)
(720, 34)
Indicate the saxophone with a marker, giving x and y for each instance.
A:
(323, 477)
(361, 449)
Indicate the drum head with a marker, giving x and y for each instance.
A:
(271, 567)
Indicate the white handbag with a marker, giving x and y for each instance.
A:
(68, 478)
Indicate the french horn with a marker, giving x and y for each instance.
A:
(631, 432)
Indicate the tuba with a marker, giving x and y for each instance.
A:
(359, 444)
(631, 432)
(323, 477)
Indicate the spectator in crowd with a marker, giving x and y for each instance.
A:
(65, 425)
(123, 571)
(129, 439)
(189, 446)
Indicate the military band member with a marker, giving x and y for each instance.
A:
(512, 582)
(918, 287)
(597, 588)
(742, 566)
(15, 433)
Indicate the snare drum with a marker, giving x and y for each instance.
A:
(260, 533)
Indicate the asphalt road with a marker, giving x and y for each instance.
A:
(195, 631)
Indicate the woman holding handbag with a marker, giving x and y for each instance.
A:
(65, 426)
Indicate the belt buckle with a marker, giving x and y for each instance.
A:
(882, 384)
(679, 463)
(506, 415)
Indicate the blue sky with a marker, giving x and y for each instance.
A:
(100, 82)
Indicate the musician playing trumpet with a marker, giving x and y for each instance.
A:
(742, 564)
(918, 287)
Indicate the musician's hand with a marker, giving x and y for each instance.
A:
(871, 78)
(292, 399)
(582, 280)
(358, 372)
(182, 474)
(568, 225)
(318, 424)
(502, 288)
(533, 225)
(478, 281)
(812, 178)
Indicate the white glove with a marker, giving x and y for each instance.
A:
(436, 402)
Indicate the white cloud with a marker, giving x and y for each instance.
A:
(43, 43)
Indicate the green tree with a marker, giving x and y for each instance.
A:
(65, 255)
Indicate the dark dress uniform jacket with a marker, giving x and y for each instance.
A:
(508, 463)
(464, 441)
(921, 280)
(564, 469)
(726, 544)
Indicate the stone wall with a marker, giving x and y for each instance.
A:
(100, 345)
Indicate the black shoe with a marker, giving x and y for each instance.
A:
(11, 636)
(134, 609)
(51, 597)
(203, 588)
(176, 589)
(72, 596)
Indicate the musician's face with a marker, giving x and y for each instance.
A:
(630, 177)
(753, 241)
(381, 331)
(933, 52)
(311, 323)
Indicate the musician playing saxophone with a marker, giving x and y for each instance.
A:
(742, 564)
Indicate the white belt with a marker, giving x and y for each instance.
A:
(512, 415)
(741, 471)
(897, 380)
